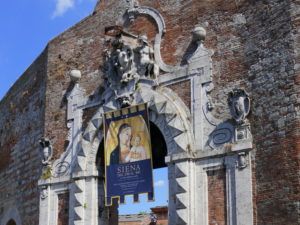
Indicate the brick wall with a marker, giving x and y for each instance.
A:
(183, 89)
(21, 126)
(87, 116)
(272, 82)
(216, 183)
(63, 209)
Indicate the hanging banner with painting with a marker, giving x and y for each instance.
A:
(128, 163)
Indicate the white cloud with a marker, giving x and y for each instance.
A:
(61, 7)
(159, 183)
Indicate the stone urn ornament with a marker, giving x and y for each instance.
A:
(239, 104)
(45, 151)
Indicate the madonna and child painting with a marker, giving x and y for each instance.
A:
(127, 141)
(128, 164)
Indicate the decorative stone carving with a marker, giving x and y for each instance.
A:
(209, 104)
(125, 100)
(44, 192)
(128, 60)
(200, 62)
(46, 151)
(221, 136)
(119, 61)
(199, 34)
(134, 11)
(75, 75)
(242, 160)
(241, 132)
(239, 104)
(147, 66)
(61, 168)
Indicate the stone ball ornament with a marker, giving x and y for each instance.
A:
(46, 151)
(199, 33)
(75, 75)
(239, 105)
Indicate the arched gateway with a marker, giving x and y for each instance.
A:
(11, 217)
(200, 148)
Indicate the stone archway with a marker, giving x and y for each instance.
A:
(170, 115)
(11, 217)
(166, 111)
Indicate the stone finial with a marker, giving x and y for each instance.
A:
(46, 151)
(75, 75)
(199, 33)
(239, 104)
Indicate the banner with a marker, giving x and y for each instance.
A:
(128, 160)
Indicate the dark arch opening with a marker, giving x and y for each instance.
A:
(112, 211)
(11, 222)
(159, 147)
(100, 157)
(159, 152)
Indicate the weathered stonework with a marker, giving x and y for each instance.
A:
(204, 50)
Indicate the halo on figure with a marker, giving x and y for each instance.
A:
(138, 126)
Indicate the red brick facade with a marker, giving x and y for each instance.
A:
(183, 89)
(217, 197)
(63, 209)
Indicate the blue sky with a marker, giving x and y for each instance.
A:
(160, 191)
(26, 27)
